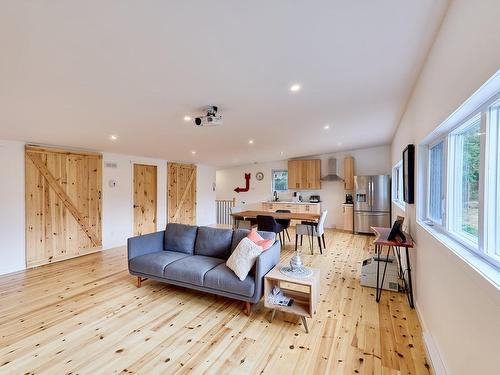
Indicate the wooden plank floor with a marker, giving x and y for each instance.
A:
(85, 316)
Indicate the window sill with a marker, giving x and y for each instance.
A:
(481, 266)
(400, 205)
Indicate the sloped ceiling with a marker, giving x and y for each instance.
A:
(74, 72)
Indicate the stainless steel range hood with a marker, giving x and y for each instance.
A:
(332, 171)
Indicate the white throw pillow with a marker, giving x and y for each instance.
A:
(244, 257)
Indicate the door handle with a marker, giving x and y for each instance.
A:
(136, 206)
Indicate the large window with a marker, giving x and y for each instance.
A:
(397, 185)
(462, 183)
(464, 170)
(280, 180)
(492, 182)
(436, 182)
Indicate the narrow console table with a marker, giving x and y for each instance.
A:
(382, 240)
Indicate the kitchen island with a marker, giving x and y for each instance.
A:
(294, 207)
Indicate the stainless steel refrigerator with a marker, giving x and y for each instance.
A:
(372, 203)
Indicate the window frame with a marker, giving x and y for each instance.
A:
(443, 228)
(397, 185)
(272, 179)
(451, 183)
(444, 182)
(490, 179)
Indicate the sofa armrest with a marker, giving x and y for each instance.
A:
(145, 244)
(265, 263)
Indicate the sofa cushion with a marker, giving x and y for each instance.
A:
(239, 234)
(244, 257)
(191, 269)
(180, 238)
(154, 263)
(257, 239)
(213, 242)
(223, 278)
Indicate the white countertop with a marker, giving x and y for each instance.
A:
(290, 202)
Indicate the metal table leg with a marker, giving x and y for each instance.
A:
(379, 290)
(410, 287)
(377, 256)
(397, 253)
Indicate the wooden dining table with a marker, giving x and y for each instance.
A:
(305, 217)
(252, 214)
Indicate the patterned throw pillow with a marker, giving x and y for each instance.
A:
(243, 258)
(258, 240)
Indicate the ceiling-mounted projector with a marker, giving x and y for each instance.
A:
(211, 119)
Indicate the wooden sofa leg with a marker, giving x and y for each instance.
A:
(139, 281)
(248, 308)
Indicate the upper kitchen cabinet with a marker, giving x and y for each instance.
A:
(348, 173)
(304, 174)
(313, 174)
(294, 174)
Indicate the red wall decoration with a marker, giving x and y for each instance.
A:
(247, 185)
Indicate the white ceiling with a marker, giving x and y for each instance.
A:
(74, 72)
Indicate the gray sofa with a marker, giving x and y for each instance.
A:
(195, 257)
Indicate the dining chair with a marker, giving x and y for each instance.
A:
(269, 224)
(284, 222)
(312, 230)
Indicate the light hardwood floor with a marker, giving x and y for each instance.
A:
(86, 316)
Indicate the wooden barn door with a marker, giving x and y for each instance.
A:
(181, 201)
(144, 199)
(63, 204)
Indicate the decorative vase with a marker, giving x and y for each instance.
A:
(296, 262)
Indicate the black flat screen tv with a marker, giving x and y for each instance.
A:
(409, 174)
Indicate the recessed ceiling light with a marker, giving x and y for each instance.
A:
(250, 142)
(187, 118)
(295, 87)
(113, 137)
(326, 127)
(193, 152)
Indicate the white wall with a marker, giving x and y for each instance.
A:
(117, 202)
(374, 160)
(12, 255)
(205, 195)
(458, 307)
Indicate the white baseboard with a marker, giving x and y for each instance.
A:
(436, 362)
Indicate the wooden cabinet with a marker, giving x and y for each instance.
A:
(294, 174)
(348, 173)
(301, 208)
(313, 174)
(348, 215)
(304, 174)
(272, 207)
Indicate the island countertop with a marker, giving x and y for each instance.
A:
(296, 207)
(289, 202)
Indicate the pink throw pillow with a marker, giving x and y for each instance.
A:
(258, 240)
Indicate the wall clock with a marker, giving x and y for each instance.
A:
(259, 176)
